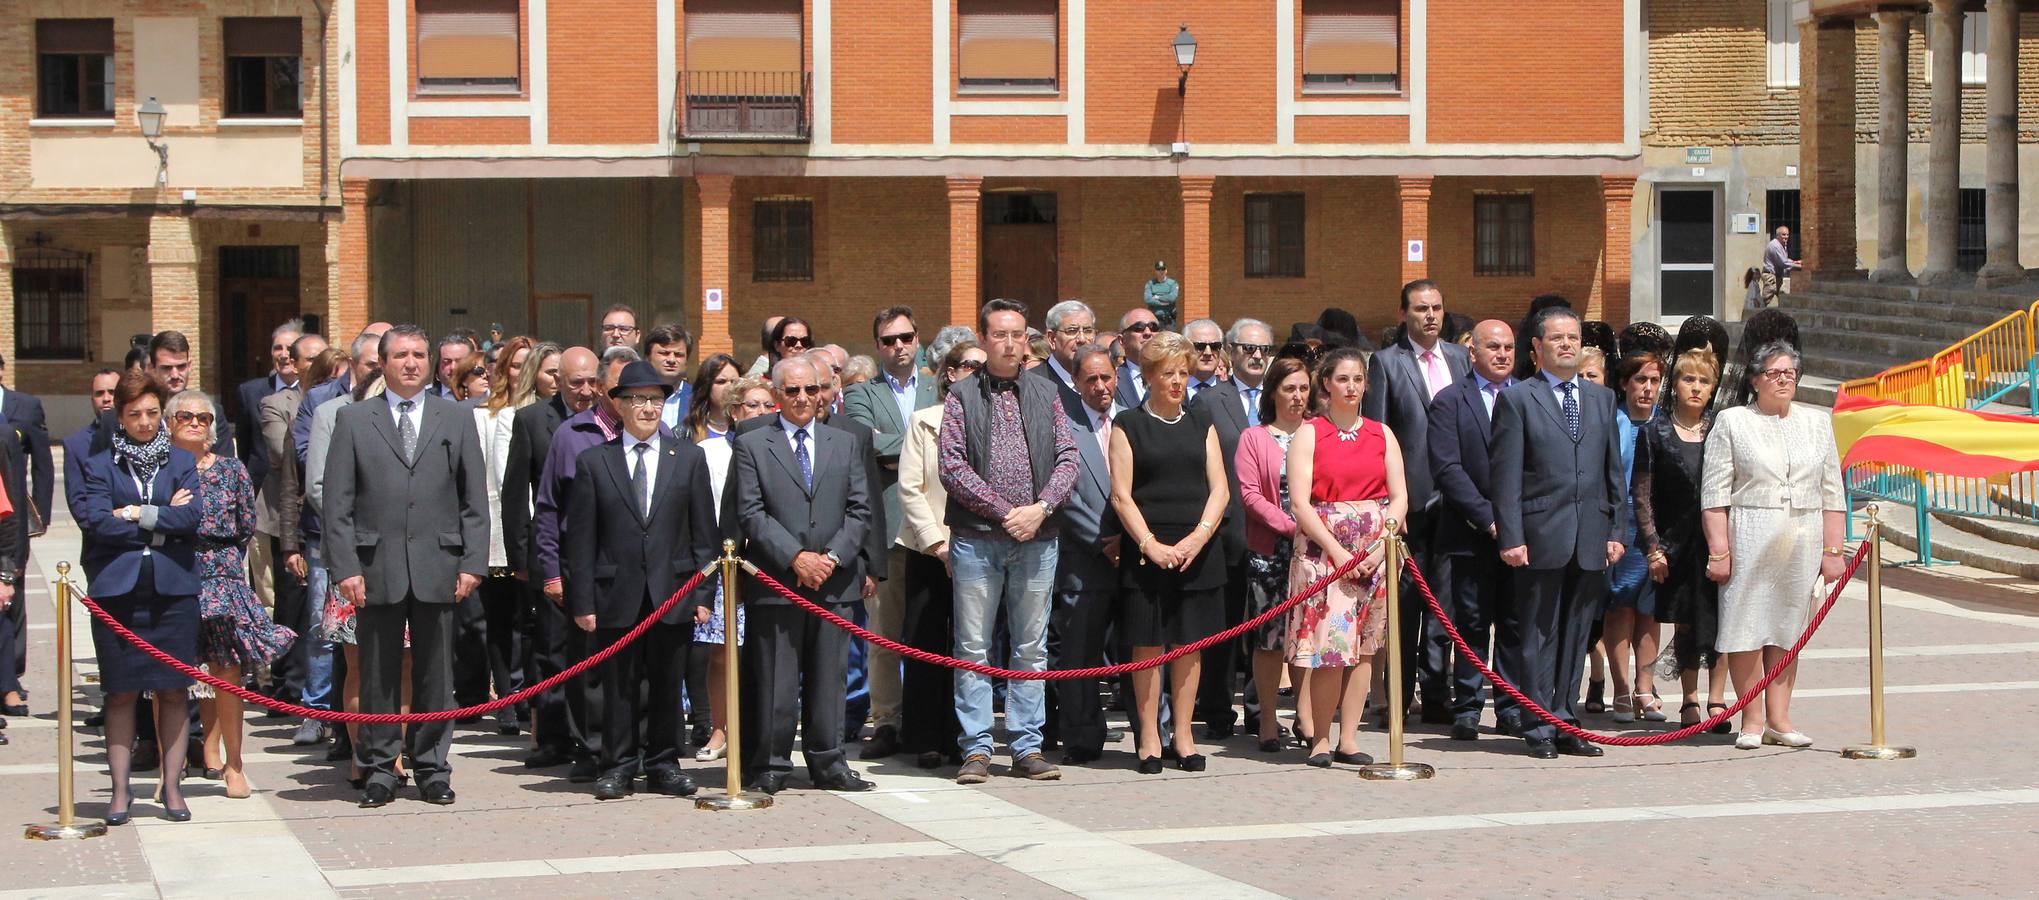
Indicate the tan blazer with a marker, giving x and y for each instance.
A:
(921, 496)
(1754, 460)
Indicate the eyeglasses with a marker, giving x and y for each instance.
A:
(1254, 349)
(894, 340)
(811, 390)
(758, 404)
(633, 401)
(797, 340)
(618, 329)
(1005, 335)
(1207, 346)
(1773, 374)
(971, 364)
(1077, 331)
(183, 416)
(1143, 327)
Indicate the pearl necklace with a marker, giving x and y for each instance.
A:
(1179, 413)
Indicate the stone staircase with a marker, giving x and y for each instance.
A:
(1854, 329)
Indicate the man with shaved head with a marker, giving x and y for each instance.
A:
(554, 720)
(1466, 563)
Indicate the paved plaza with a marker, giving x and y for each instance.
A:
(1693, 818)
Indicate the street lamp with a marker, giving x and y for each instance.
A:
(150, 116)
(1185, 56)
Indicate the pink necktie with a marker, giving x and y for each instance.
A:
(1433, 373)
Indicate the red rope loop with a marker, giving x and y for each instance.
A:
(1622, 740)
(919, 655)
(327, 715)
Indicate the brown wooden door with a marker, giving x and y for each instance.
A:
(258, 290)
(1016, 251)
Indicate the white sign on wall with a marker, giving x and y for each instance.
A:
(712, 299)
(1415, 251)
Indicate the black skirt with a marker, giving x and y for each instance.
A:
(170, 623)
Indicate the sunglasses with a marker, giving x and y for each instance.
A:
(894, 340)
(1143, 327)
(971, 364)
(184, 415)
(811, 390)
(1207, 346)
(1254, 349)
(797, 341)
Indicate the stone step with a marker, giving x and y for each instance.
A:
(1893, 349)
(1937, 330)
(2014, 534)
(2016, 297)
(1956, 545)
(1967, 314)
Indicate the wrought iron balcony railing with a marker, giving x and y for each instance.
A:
(745, 106)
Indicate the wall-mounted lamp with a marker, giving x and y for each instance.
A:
(1185, 57)
(150, 116)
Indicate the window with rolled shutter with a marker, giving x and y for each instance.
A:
(743, 36)
(1006, 43)
(1352, 45)
(468, 44)
(264, 59)
(74, 68)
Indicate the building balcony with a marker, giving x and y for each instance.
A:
(744, 106)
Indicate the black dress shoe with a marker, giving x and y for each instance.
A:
(671, 782)
(507, 723)
(1076, 756)
(930, 759)
(614, 787)
(95, 720)
(1465, 730)
(1191, 763)
(1509, 725)
(1354, 758)
(845, 782)
(1217, 732)
(1442, 716)
(342, 749)
(376, 795)
(1150, 765)
(771, 783)
(583, 771)
(883, 743)
(1542, 750)
(547, 757)
(14, 709)
(1571, 746)
(437, 793)
(1271, 746)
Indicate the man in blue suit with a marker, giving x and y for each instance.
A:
(1466, 572)
(1087, 565)
(28, 477)
(1558, 482)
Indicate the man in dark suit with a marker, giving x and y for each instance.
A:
(1087, 563)
(1558, 483)
(31, 479)
(803, 506)
(248, 399)
(531, 431)
(407, 533)
(1466, 572)
(1228, 413)
(307, 669)
(1136, 328)
(640, 522)
(1401, 381)
(886, 404)
(1071, 326)
(366, 345)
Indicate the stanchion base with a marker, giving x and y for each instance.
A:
(76, 831)
(1873, 751)
(736, 801)
(1391, 772)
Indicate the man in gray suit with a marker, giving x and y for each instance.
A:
(803, 504)
(886, 404)
(407, 538)
(1557, 483)
(1401, 380)
(1087, 563)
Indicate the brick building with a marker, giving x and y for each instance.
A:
(1723, 156)
(222, 237)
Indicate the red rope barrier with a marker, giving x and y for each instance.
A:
(919, 655)
(327, 715)
(1620, 740)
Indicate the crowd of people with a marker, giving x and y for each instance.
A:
(403, 523)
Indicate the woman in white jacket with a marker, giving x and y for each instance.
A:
(516, 380)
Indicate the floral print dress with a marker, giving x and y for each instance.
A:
(234, 631)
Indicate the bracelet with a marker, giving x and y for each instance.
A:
(1143, 541)
(1203, 526)
(1834, 551)
(1717, 557)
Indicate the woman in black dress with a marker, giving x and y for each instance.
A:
(135, 508)
(1169, 489)
(1669, 455)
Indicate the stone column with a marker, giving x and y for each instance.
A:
(347, 303)
(1893, 150)
(965, 194)
(2003, 266)
(1827, 147)
(1943, 149)
(714, 192)
(1415, 193)
(1196, 248)
(1617, 194)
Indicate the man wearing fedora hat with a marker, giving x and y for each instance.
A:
(640, 522)
(1162, 294)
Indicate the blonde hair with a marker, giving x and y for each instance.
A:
(1166, 349)
(1594, 358)
(1699, 361)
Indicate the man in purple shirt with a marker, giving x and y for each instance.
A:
(1008, 461)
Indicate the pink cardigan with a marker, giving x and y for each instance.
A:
(1259, 463)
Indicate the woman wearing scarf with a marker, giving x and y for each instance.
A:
(135, 508)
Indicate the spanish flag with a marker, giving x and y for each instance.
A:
(1937, 439)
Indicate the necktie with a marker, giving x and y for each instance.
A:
(640, 480)
(1252, 403)
(406, 433)
(800, 456)
(1433, 378)
(1493, 390)
(1571, 407)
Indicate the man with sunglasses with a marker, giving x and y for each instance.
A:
(1229, 415)
(886, 405)
(1136, 328)
(1071, 326)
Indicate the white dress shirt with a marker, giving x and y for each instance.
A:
(1490, 389)
(650, 458)
(1436, 372)
(416, 415)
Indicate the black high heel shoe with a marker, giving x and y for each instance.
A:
(1272, 745)
(115, 819)
(1596, 693)
(1191, 763)
(1150, 765)
(1725, 725)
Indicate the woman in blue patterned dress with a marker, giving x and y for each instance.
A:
(235, 632)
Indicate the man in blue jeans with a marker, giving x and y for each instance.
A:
(1008, 461)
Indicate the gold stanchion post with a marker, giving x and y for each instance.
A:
(732, 796)
(1395, 769)
(1876, 748)
(67, 826)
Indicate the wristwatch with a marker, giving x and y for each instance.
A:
(832, 558)
(7, 576)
